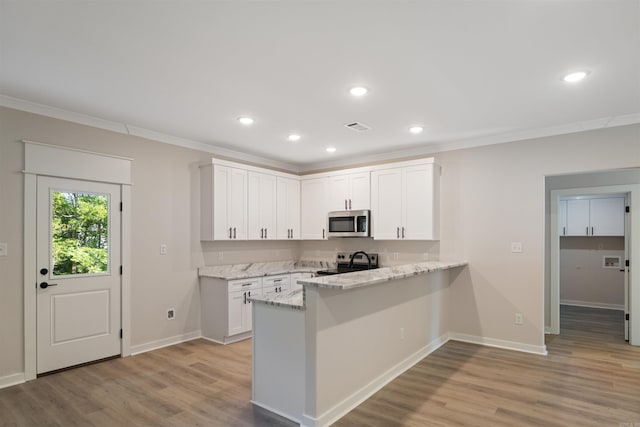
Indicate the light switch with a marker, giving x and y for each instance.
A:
(3, 249)
(163, 249)
(516, 247)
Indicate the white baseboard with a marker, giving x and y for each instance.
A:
(275, 411)
(230, 340)
(507, 345)
(13, 379)
(341, 409)
(589, 304)
(166, 342)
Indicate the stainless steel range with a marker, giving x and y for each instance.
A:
(347, 262)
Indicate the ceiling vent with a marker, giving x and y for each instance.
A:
(358, 127)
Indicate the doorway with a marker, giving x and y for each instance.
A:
(78, 259)
(77, 273)
(632, 248)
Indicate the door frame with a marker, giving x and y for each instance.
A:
(59, 162)
(633, 241)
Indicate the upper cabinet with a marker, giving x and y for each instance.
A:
(239, 202)
(405, 201)
(261, 218)
(223, 203)
(350, 191)
(313, 208)
(288, 208)
(598, 216)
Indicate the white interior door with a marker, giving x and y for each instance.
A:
(627, 273)
(78, 260)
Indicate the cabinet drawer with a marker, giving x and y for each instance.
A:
(245, 284)
(280, 281)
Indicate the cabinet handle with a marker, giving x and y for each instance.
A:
(265, 233)
(229, 232)
(262, 233)
(234, 232)
(277, 280)
(249, 296)
(592, 231)
(398, 232)
(403, 232)
(564, 231)
(245, 298)
(345, 204)
(587, 231)
(323, 233)
(349, 204)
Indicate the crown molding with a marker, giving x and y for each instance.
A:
(427, 149)
(127, 129)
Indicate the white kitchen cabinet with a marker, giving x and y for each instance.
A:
(350, 191)
(562, 218)
(223, 202)
(288, 208)
(405, 202)
(314, 208)
(261, 204)
(599, 216)
(225, 308)
(276, 284)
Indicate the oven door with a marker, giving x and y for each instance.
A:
(348, 224)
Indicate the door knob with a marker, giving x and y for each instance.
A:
(44, 271)
(45, 285)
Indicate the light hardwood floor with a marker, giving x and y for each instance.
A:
(590, 378)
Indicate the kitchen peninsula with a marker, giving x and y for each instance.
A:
(320, 351)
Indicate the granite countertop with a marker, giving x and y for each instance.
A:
(379, 275)
(260, 269)
(295, 298)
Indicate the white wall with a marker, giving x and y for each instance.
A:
(583, 279)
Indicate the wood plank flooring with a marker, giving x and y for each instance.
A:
(590, 378)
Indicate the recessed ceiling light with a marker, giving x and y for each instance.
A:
(294, 137)
(358, 91)
(331, 149)
(575, 77)
(415, 129)
(245, 120)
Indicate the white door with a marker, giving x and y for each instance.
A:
(313, 218)
(417, 199)
(338, 193)
(360, 191)
(78, 260)
(386, 203)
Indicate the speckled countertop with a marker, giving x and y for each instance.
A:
(260, 269)
(295, 298)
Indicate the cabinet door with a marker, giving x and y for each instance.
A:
(288, 208)
(261, 206)
(229, 203)
(386, 203)
(578, 217)
(237, 303)
(418, 204)
(607, 216)
(247, 310)
(338, 193)
(360, 191)
(313, 218)
(562, 218)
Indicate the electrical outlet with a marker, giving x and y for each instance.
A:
(516, 247)
(401, 333)
(3, 249)
(519, 319)
(171, 313)
(163, 249)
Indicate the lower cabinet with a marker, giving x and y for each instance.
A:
(225, 308)
(296, 276)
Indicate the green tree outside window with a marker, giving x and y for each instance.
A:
(80, 233)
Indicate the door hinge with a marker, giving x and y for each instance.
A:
(121, 270)
(626, 263)
(626, 209)
(120, 333)
(120, 206)
(626, 316)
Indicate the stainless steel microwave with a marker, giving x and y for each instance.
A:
(349, 224)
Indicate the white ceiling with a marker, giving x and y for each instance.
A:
(470, 72)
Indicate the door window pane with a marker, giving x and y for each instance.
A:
(79, 233)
